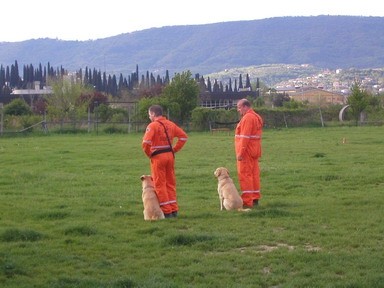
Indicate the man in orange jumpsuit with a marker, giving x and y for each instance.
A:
(248, 151)
(158, 146)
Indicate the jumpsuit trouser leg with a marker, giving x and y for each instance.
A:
(163, 174)
(249, 179)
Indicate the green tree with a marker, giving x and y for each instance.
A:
(182, 95)
(358, 101)
(65, 103)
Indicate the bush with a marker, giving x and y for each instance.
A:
(17, 107)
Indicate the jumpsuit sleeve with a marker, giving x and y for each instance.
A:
(246, 129)
(182, 138)
(147, 140)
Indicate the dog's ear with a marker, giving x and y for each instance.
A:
(142, 177)
(217, 172)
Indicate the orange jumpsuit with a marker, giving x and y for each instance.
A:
(248, 146)
(163, 164)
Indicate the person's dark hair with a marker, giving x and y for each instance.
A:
(156, 109)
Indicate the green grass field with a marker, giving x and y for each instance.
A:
(71, 213)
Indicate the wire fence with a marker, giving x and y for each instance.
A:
(79, 126)
(272, 120)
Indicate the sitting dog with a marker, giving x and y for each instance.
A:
(228, 194)
(152, 210)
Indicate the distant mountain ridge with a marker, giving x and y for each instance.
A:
(323, 41)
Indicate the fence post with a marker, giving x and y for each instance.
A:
(89, 118)
(95, 110)
(2, 118)
(321, 117)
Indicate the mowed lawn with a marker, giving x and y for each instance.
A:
(71, 213)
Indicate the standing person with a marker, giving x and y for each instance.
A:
(158, 146)
(248, 151)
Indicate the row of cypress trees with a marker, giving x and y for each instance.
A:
(147, 84)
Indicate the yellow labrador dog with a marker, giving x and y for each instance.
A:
(152, 210)
(228, 194)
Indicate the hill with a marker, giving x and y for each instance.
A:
(322, 41)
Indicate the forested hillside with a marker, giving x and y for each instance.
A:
(322, 41)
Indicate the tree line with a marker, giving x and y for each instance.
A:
(117, 86)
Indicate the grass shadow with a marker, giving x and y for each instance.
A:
(188, 239)
(80, 231)
(54, 215)
(14, 235)
(268, 213)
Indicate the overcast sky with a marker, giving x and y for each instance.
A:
(92, 19)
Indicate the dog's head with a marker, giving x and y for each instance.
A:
(221, 171)
(146, 180)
